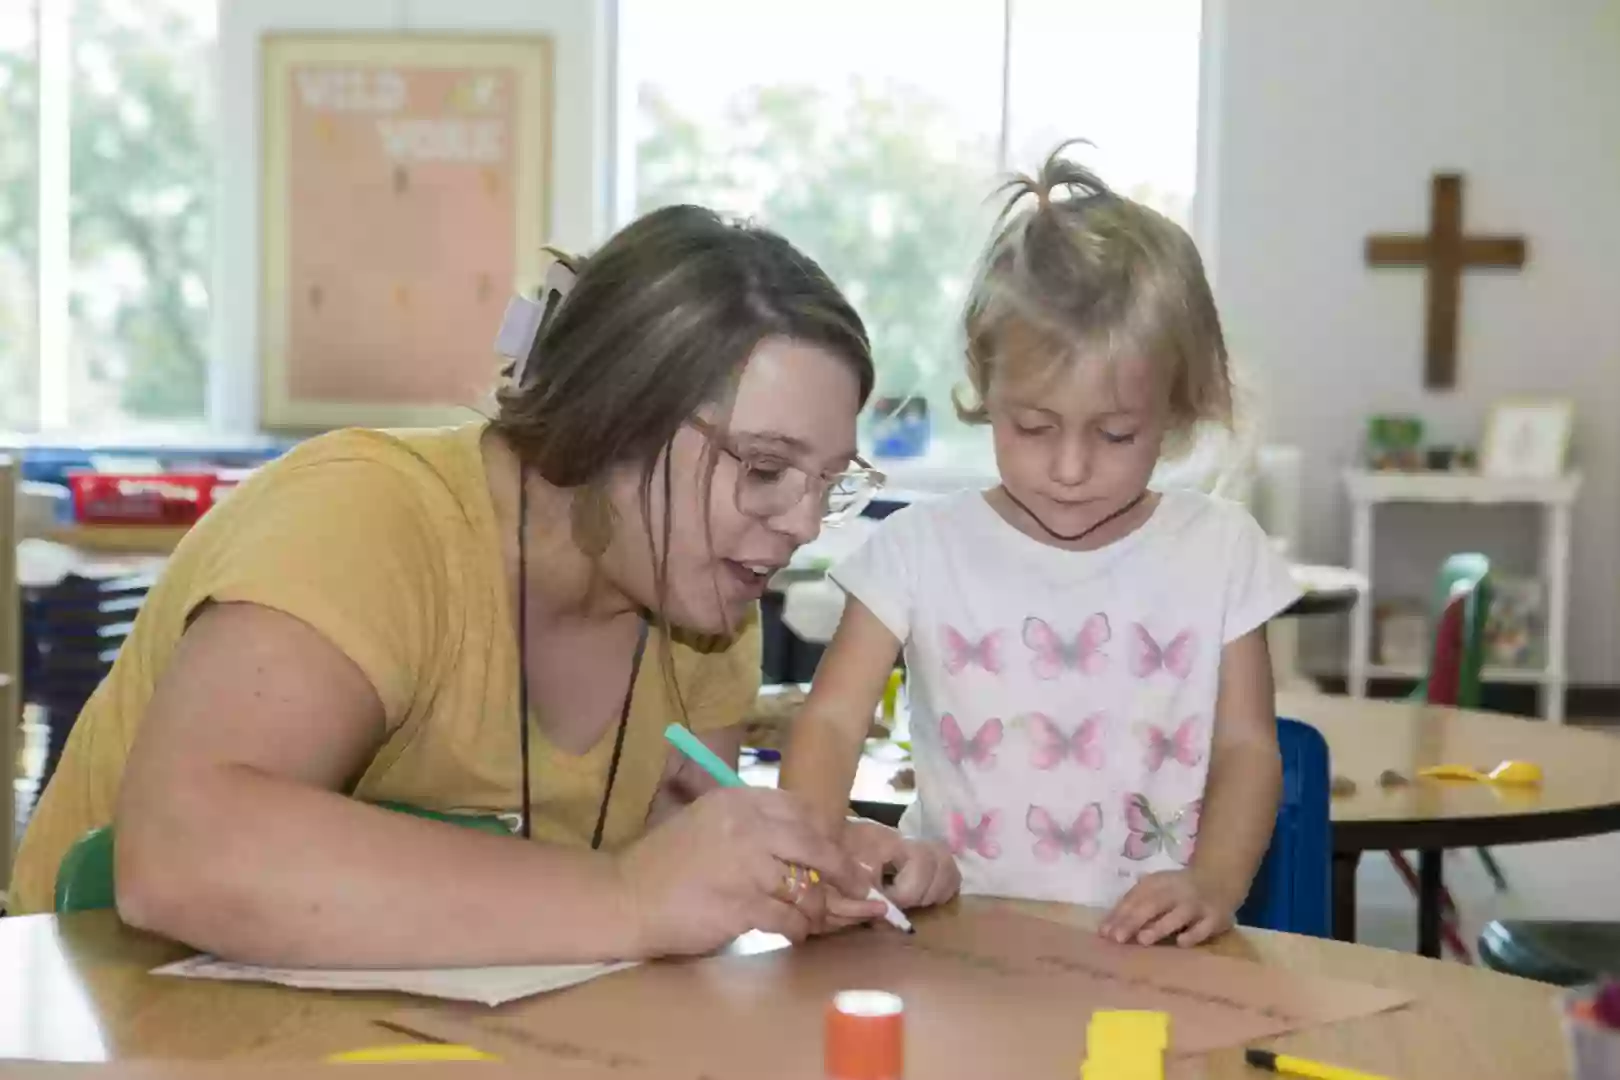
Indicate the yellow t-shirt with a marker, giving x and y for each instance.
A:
(386, 543)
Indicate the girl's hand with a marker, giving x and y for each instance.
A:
(1164, 904)
(925, 872)
(724, 866)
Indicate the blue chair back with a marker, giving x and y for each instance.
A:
(1293, 890)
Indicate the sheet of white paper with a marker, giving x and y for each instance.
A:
(487, 985)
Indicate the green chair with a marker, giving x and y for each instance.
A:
(84, 879)
(1466, 575)
(1462, 604)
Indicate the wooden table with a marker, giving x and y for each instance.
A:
(1580, 795)
(76, 988)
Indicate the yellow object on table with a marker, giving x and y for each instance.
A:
(1509, 772)
(410, 1052)
(891, 696)
(1125, 1044)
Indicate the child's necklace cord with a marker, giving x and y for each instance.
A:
(1127, 508)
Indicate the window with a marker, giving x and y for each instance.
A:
(872, 133)
(106, 185)
(19, 212)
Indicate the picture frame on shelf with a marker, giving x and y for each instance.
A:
(1527, 438)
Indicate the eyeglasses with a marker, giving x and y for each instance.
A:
(769, 484)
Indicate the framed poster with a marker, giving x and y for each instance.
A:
(1528, 438)
(405, 186)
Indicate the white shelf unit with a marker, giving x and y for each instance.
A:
(1555, 500)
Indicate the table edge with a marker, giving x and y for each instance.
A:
(1536, 826)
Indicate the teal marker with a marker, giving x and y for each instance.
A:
(724, 775)
(706, 759)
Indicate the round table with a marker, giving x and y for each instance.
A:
(77, 988)
(1579, 795)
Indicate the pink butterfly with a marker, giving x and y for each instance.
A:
(1053, 654)
(977, 839)
(1148, 656)
(1183, 746)
(1053, 841)
(961, 653)
(1052, 746)
(979, 750)
(1149, 833)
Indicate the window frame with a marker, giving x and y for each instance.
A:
(230, 412)
(967, 459)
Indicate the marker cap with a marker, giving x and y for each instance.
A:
(865, 1036)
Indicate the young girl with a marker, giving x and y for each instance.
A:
(1090, 689)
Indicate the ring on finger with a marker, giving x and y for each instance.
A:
(795, 884)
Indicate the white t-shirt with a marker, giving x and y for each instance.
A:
(1061, 702)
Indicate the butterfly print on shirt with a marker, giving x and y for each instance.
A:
(964, 839)
(1148, 832)
(1183, 746)
(962, 653)
(1148, 656)
(1054, 656)
(1051, 746)
(979, 750)
(1053, 841)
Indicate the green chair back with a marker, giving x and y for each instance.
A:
(85, 878)
(1468, 573)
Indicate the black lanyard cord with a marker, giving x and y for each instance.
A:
(526, 824)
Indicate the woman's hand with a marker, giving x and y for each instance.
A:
(925, 873)
(1168, 903)
(724, 866)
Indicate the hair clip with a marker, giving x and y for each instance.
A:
(520, 325)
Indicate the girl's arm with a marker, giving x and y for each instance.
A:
(824, 748)
(1245, 775)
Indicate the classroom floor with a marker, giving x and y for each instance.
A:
(1571, 879)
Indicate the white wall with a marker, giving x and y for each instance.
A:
(1324, 122)
(580, 141)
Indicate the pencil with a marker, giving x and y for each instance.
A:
(1294, 1066)
(707, 760)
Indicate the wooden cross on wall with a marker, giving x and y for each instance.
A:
(1445, 253)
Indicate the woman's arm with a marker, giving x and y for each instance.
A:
(232, 834)
(1245, 775)
(233, 837)
(824, 748)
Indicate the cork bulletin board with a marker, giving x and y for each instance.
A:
(405, 185)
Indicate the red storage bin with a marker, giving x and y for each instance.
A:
(118, 499)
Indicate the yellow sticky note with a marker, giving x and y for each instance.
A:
(1131, 1026)
(1123, 1044)
(1093, 1069)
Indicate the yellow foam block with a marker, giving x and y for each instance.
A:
(1130, 1027)
(1124, 1044)
(1114, 1070)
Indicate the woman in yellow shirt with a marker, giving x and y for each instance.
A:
(367, 618)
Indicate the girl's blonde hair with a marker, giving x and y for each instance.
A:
(1086, 272)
